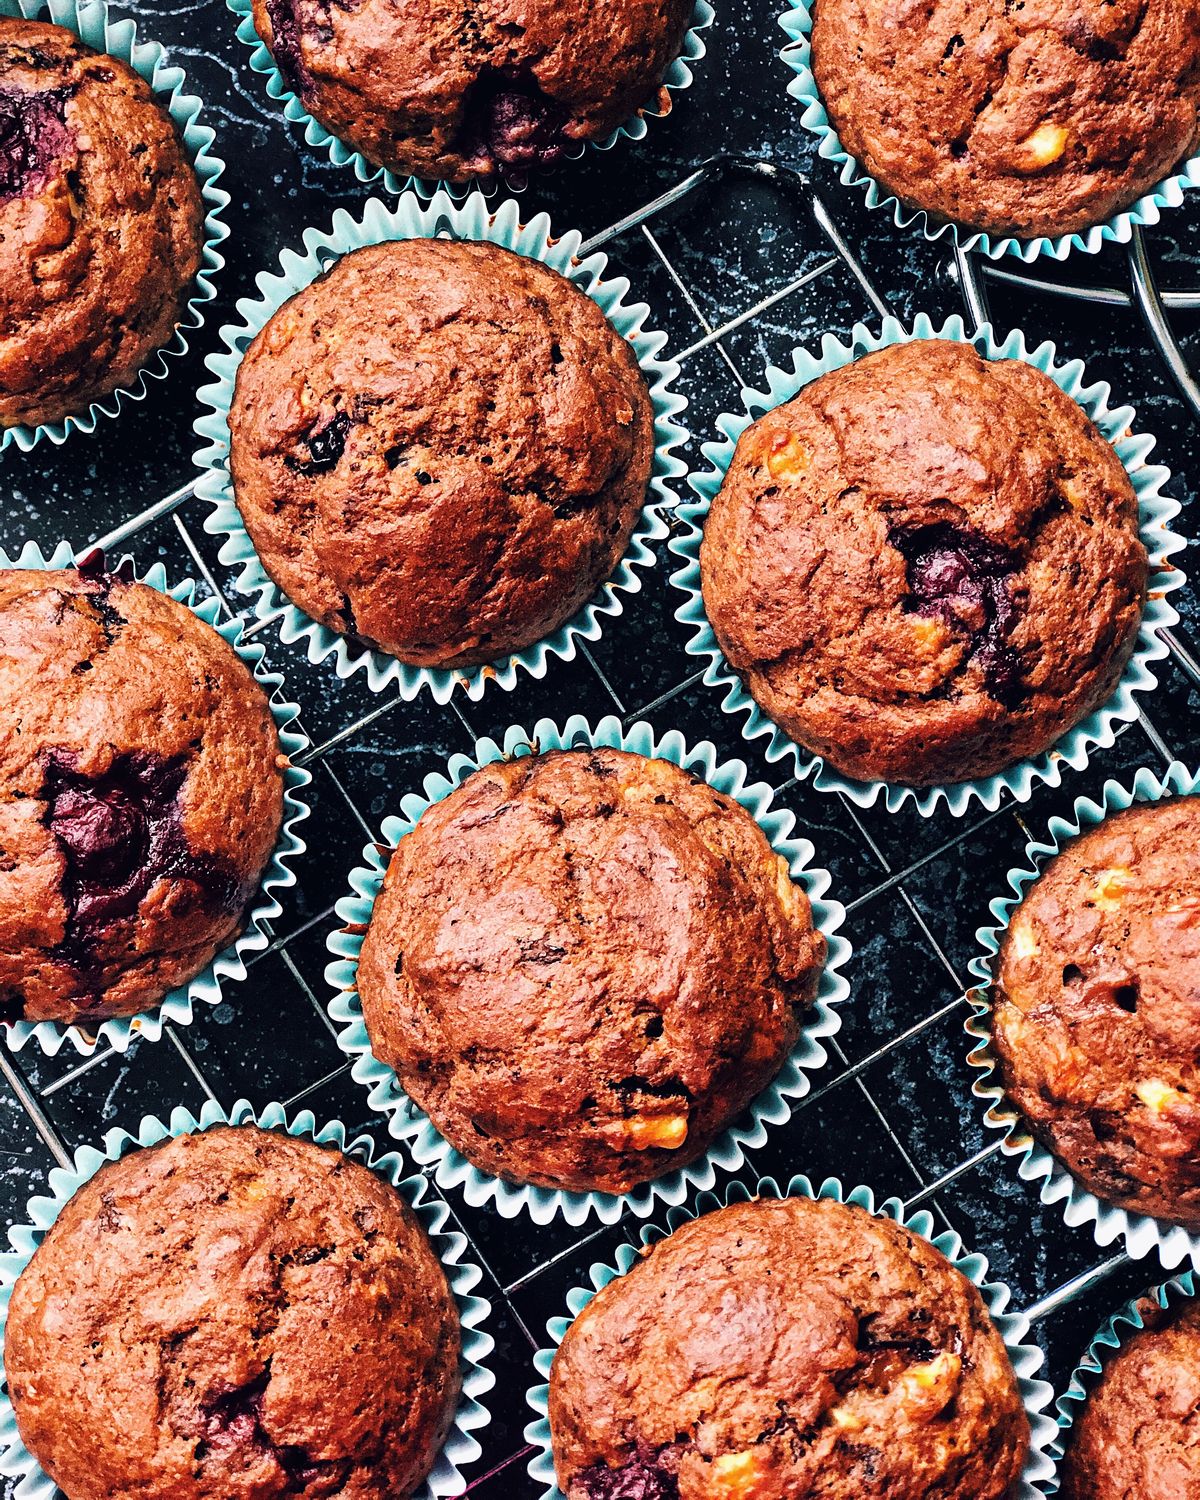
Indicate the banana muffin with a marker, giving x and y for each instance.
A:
(1135, 1438)
(441, 449)
(141, 794)
(787, 1347)
(584, 964)
(101, 223)
(1097, 1011)
(234, 1315)
(926, 566)
(1041, 118)
(453, 92)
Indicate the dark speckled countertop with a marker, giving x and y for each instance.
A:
(917, 888)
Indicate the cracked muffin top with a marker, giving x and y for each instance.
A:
(141, 794)
(584, 964)
(1097, 1011)
(787, 1347)
(234, 1315)
(1035, 118)
(441, 449)
(1135, 1438)
(101, 223)
(450, 91)
(926, 566)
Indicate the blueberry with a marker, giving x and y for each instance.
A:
(325, 446)
(961, 577)
(512, 121)
(119, 833)
(33, 136)
(643, 1477)
(285, 44)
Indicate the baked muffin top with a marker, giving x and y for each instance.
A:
(441, 448)
(234, 1315)
(584, 964)
(141, 794)
(926, 566)
(1041, 118)
(447, 92)
(1097, 1014)
(101, 223)
(787, 1347)
(1135, 1438)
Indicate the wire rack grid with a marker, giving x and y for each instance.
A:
(893, 1106)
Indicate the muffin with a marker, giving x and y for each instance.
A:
(583, 965)
(926, 566)
(787, 1347)
(234, 1315)
(1035, 119)
(1135, 1437)
(452, 92)
(141, 794)
(1097, 1010)
(441, 449)
(101, 223)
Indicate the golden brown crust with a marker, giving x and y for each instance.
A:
(441, 448)
(1097, 1016)
(234, 1315)
(100, 229)
(927, 565)
(421, 87)
(583, 965)
(141, 794)
(787, 1348)
(1136, 1437)
(1041, 118)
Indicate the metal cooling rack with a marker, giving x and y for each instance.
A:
(866, 1117)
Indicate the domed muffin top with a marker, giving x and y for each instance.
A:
(234, 1315)
(441, 448)
(787, 1347)
(926, 566)
(584, 964)
(1097, 1018)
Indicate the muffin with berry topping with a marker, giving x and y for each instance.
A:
(234, 1315)
(141, 794)
(1097, 1009)
(926, 566)
(1041, 118)
(452, 92)
(1135, 1437)
(787, 1347)
(440, 449)
(584, 964)
(101, 223)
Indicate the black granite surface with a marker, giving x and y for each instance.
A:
(917, 888)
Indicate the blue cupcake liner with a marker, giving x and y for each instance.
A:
(1013, 1326)
(797, 21)
(772, 1107)
(461, 1448)
(412, 219)
(91, 22)
(677, 77)
(1157, 510)
(1139, 1234)
(179, 1004)
(1127, 1320)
